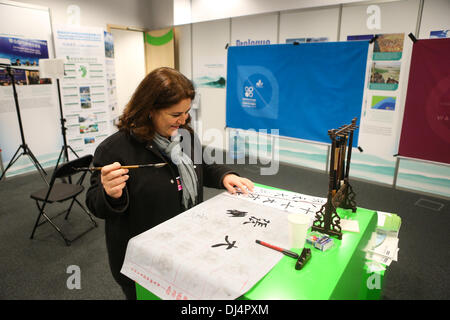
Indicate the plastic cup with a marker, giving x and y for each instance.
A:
(298, 227)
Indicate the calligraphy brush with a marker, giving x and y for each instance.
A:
(135, 166)
(283, 251)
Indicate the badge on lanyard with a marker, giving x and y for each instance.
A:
(180, 187)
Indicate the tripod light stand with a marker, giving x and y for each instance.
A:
(23, 147)
(54, 68)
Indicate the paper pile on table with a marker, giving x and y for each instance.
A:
(382, 248)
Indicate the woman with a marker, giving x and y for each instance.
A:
(133, 201)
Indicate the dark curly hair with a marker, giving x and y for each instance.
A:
(160, 89)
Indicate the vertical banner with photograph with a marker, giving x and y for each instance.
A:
(24, 39)
(380, 110)
(110, 74)
(88, 87)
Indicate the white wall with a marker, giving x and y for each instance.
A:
(129, 61)
(183, 36)
(204, 10)
(99, 13)
(257, 27)
(160, 15)
(310, 23)
(208, 46)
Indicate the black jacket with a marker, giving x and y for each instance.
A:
(150, 197)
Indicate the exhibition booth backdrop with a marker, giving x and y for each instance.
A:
(202, 56)
(381, 112)
(87, 88)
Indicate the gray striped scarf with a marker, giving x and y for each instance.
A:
(189, 180)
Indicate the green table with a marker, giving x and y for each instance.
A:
(338, 273)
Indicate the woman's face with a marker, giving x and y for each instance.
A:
(167, 121)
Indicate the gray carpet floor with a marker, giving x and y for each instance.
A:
(38, 268)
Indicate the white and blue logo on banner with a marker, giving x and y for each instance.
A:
(258, 91)
(302, 90)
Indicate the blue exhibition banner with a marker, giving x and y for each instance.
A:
(303, 90)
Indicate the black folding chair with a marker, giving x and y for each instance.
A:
(61, 192)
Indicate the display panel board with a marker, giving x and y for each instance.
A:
(302, 90)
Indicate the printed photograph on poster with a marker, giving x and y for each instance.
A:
(112, 87)
(23, 77)
(384, 75)
(381, 109)
(439, 34)
(20, 78)
(211, 75)
(85, 97)
(388, 46)
(93, 127)
(88, 123)
(385, 46)
(33, 78)
(306, 40)
(89, 140)
(109, 45)
(383, 103)
(23, 53)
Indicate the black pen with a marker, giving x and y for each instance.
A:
(283, 251)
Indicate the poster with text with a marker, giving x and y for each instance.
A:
(35, 110)
(24, 55)
(111, 75)
(86, 87)
(379, 128)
